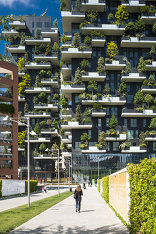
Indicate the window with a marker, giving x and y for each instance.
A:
(75, 28)
(99, 123)
(130, 134)
(133, 122)
(99, 131)
(99, 53)
(47, 25)
(136, 133)
(33, 33)
(107, 111)
(144, 123)
(99, 87)
(125, 122)
(77, 145)
(107, 122)
(115, 146)
(33, 25)
(39, 24)
(154, 146)
(114, 111)
(90, 133)
(77, 100)
(94, 53)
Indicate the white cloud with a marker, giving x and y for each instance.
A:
(11, 3)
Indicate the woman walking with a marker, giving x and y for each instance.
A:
(77, 195)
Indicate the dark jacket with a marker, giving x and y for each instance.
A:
(78, 194)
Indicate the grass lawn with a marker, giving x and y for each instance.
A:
(10, 219)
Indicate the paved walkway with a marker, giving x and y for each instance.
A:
(13, 202)
(95, 217)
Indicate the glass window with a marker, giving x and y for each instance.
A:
(90, 133)
(107, 111)
(99, 122)
(99, 53)
(33, 25)
(94, 53)
(99, 131)
(125, 122)
(144, 123)
(133, 122)
(75, 28)
(154, 146)
(77, 145)
(99, 87)
(115, 146)
(33, 33)
(39, 24)
(114, 111)
(77, 100)
(107, 122)
(47, 25)
(136, 133)
(130, 134)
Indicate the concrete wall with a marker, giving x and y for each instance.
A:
(119, 192)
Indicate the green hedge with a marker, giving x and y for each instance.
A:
(142, 214)
(0, 188)
(33, 184)
(7, 108)
(99, 186)
(105, 185)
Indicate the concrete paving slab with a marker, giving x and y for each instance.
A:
(95, 217)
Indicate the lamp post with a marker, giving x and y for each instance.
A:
(98, 167)
(7, 118)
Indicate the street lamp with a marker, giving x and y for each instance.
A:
(7, 118)
(98, 167)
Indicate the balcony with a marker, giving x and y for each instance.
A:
(120, 137)
(93, 150)
(66, 139)
(21, 149)
(133, 77)
(52, 107)
(53, 33)
(135, 42)
(50, 81)
(21, 73)
(9, 32)
(45, 156)
(69, 53)
(134, 149)
(148, 18)
(98, 41)
(21, 99)
(98, 113)
(37, 41)
(38, 115)
(39, 139)
(148, 89)
(70, 17)
(76, 125)
(73, 88)
(106, 29)
(49, 131)
(66, 153)
(97, 5)
(133, 5)
(106, 101)
(66, 71)
(67, 113)
(15, 49)
(116, 64)
(135, 113)
(53, 58)
(17, 24)
(38, 90)
(152, 66)
(67, 44)
(33, 65)
(93, 76)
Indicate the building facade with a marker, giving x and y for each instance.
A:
(108, 80)
(8, 131)
(34, 44)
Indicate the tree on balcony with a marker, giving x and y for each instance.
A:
(37, 129)
(122, 89)
(130, 29)
(142, 139)
(42, 148)
(152, 52)
(101, 65)
(112, 49)
(153, 123)
(37, 81)
(55, 23)
(84, 64)
(55, 123)
(26, 108)
(87, 115)
(125, 144)
(139, 98)
(78, 113)
(35, 100)
(56, 96)
(139, 26)
(37, 33)
(63, 5)
(64, 39)
(48, 49)
(110, 18)
(43, 96)
(106, 90)
(43, 73)
(78, 77)
(92, 86)
(142, 65)
(20, 64)
(87, 41)
(92, 16)
(113, 122)
(63, 102)
(76, 40)
(21, 138)
(154, 27)
(56, 47)
(84, 140)
(121, 14)
(127, 69)
(49, 122)
(148, 99)
(101, 140)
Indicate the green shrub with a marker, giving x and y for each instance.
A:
(33, 184)
(0, 188)
(6, 108)
(98, 185)
(142, 178)
(105, 185)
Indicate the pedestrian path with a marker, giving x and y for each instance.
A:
(95, 218)
(13, 202)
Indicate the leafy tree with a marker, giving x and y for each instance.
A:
(21, 137)
(63, 4)
(121, 14)
(148, 99)
(64, 39)
(55, 23)
(152, 52)
(101, 65)
(153, 123)
(92, 16)
(127, 69)
(92, 85)
(78, 76)
(56, 96)
(112, 49)
(106, 89)
(48, 49)
(84, 140)
(76, 40)
(49, 99)
(20, 64)
(21, 88)
(55, 123)
(154, 27)
(97, 106)
(139, 26)
(49, 122)
(78, 114)
(26, 57)
(87, 40)
(101, 140)
(42, 148)
(111, 17)
(35, 100)
(84, 64)
(130, 29)
(43, 73)
(113, 121)
(56, 47)
(37, 81)
(139, 98)
(151, 80)
(42, 96)
(87, 115)
(122, 88)
(37, 129)
(142, 65)
(36, 51)
(26, 108)
(63, 102)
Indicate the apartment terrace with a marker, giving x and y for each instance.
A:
(134, 149)
(133, 77)
(152, 66)
(38, 115)
(34, 65)
(106, 29)
(97, 5)
(137, 42)
(93, 150)
(39, 139)
(76, 125)
(148, 89)
(72, 88)
(53, 82)
(98, 113)
(116, 64)
(106, 101)
(133, 5)
(49, 131)
(67, 113)
(66, 139)
(148, 18)
(9, 32)
(120, 137)
(38, 90)
(96, 76)
(69, 53)
(52, 107)
(53, 58)
(66, 71)
(36, 41)
(15, 49)
(98, 41)
(135, 113)
(52, 33)
(18, 24)
(70, 17)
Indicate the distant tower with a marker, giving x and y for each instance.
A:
(44, 13)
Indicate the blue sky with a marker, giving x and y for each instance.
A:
(27, 7)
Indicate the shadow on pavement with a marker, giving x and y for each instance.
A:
(112, 229)
(84, 211)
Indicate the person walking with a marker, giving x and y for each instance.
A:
(77, 195)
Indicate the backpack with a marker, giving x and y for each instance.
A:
(75, 195)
